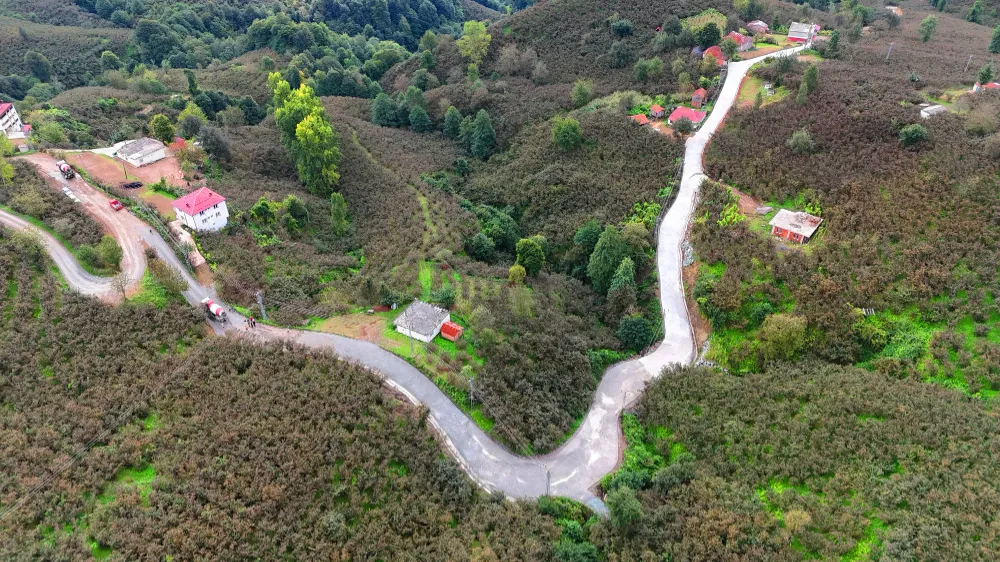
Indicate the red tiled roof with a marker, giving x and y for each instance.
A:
(655, 108)
(4, 107)
(694, 115)
(26, 128)
(990, 85)
(640, 119)
(197, 201)
(700, 92)
(451, 330)
(738, 37)
(716, 52)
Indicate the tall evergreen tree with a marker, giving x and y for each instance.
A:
(605, 259)
(995, 41)
(482, 135)
(452, 126)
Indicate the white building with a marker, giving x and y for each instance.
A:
(202, 210)
(142, 151)
(932, 110)
(422, 321)
(10, 121)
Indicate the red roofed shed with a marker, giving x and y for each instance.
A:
(451, 331)
(716, 53)
(698, 97)
(640, 119)
(656, 111)
(693, 115)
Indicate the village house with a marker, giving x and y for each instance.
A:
(640, 118)
(743, 42)
(757, 27)
(699, 97)
(693, 115)
(795, 226)
(422, 321)
(142, 151)
(10, 122)
(988, 86)
(715, 52)
(202, 210)
(801, 32)
(656, 111)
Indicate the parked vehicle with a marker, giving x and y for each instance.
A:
(214, 311)
(66, 170)
(131, 185)
(116, 204)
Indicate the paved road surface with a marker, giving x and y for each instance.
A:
(593, 451)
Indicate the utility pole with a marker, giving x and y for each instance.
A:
(548, 479)
(969, 62)
(260, 303)
(472, 393)
(124, 171)
(890, 51)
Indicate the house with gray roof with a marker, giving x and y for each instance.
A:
(422, 321)
(142, 151)
(794, 225)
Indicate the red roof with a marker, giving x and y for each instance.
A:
(197, 201)
(451, 331)
(26, 128)
(991, 85)
(4, 107)
(700, 92)
(655, 108)
(738, 37)
(640, 119)
(693, 114)
(716, 52)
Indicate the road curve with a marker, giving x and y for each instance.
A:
(593, 451)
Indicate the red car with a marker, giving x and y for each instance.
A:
(116, 204)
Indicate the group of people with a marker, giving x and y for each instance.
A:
(249, 322)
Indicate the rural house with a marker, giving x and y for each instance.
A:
(693, 115)
(795, 226)
(640, 118)
(988, 86)
(757, 27)
(202, 210)
(451, 331)
(743, 43)
(656, 111)
(801, 32)
(142, 151)
(715, 52)
(699, 97)
(10, 121)
(422, 321)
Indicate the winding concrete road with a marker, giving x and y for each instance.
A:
(593, 451)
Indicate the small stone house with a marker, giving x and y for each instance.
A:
(656, 111)
(422, 321)
(795, 226)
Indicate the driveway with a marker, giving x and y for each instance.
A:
(573, 469)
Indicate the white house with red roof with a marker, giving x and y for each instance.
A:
(10, 121)
(202, 210)
(681, 112)
(977, 87)
(743, 42)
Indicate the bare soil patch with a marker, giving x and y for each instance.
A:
(358, 326)
(702, 328)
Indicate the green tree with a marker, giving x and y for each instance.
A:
(604, 260)
(414, 97)
(986, 73)
(927, 28)
(338, 214)
(189, 126)
(582, 93)
(480, 247)
(624, 508)
(834, 44)
(503, 231)
(452, 122)
(7, 148)
(811, 77)
(587, 235)
(729, 47)
(803, 94)
(683, 126)
(530, 255)
(781, 337)
(708, 35)
(427, 60)
(318, 153)
(38, 65)
(266, 63)
(192, 81)
(975, 12)
(6, 171)
(635, 333)
(192, 109)
(384, 111)
(912, 134)
(624, 275)
(800, 142)
(566, 133)
(109, 251)
(419, 120)
(482, 135)
(110, 61)
(474, 42)
(215, 143)
(516, 274)
(296, 208)
(647, 69)
(161, 128)
(995, 40)
(429, 41)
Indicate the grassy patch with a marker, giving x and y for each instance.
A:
(868, 542)
(140, 479)
(698, 21)
(151, 291)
